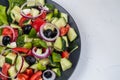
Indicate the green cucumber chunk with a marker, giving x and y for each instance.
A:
(65, 64)
(12, 72)
(61, 22)
(64, 15)
(58, 44)
(10, 58)
(72, 35)
(2, 60)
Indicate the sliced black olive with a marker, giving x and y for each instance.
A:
(48, 33)
(6, 40)
(54, 33)
(27, 29)
(30, 60)
(48, 74)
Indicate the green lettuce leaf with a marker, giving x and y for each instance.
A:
(3, 16)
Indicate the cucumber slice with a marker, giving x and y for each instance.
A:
(44, 61)
(2, 60)
(2, 49)
(65, 64)
(15, 26)
(57, 71)
(56, 57)
(61, 22)
(27, 39)
(12, 72)
(72, 35)
(58, 44)
(66, 40)
(10, 58)
(54, 20)
(30, 3)
(39, 51)
(64, 15)
(34, 12)
(1, 38)
(26, 11)
(19, 63)
(41, 1)
(16, 12)
(25, 66)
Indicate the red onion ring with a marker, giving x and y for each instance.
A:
(20, 67)
(41, 34)
(31, 17)
(43, 55)
(13, 37)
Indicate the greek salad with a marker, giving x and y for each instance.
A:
(36, 41)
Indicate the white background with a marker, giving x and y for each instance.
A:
(99, 26)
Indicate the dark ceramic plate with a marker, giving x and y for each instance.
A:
(74, 57)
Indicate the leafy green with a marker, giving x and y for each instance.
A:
(12, 3)
(20, 41)
(39, 43)
(3, 16)
(32, 33)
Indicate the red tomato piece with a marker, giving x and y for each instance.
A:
(64, 30)
(37, 24)
(36, 76)
(7, 32)
(21, 49)
(43, 15)
(22, 77)
(29, 72)
(65, 54)
(23, 19)
(5, 68)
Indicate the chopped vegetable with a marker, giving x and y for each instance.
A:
(3, 16)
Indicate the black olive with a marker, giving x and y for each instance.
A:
(30, 60)
(54, 33)
(48, 74)
(27, 29)
(6, 40)
(48, 33)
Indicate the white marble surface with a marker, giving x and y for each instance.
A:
(99, 26)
